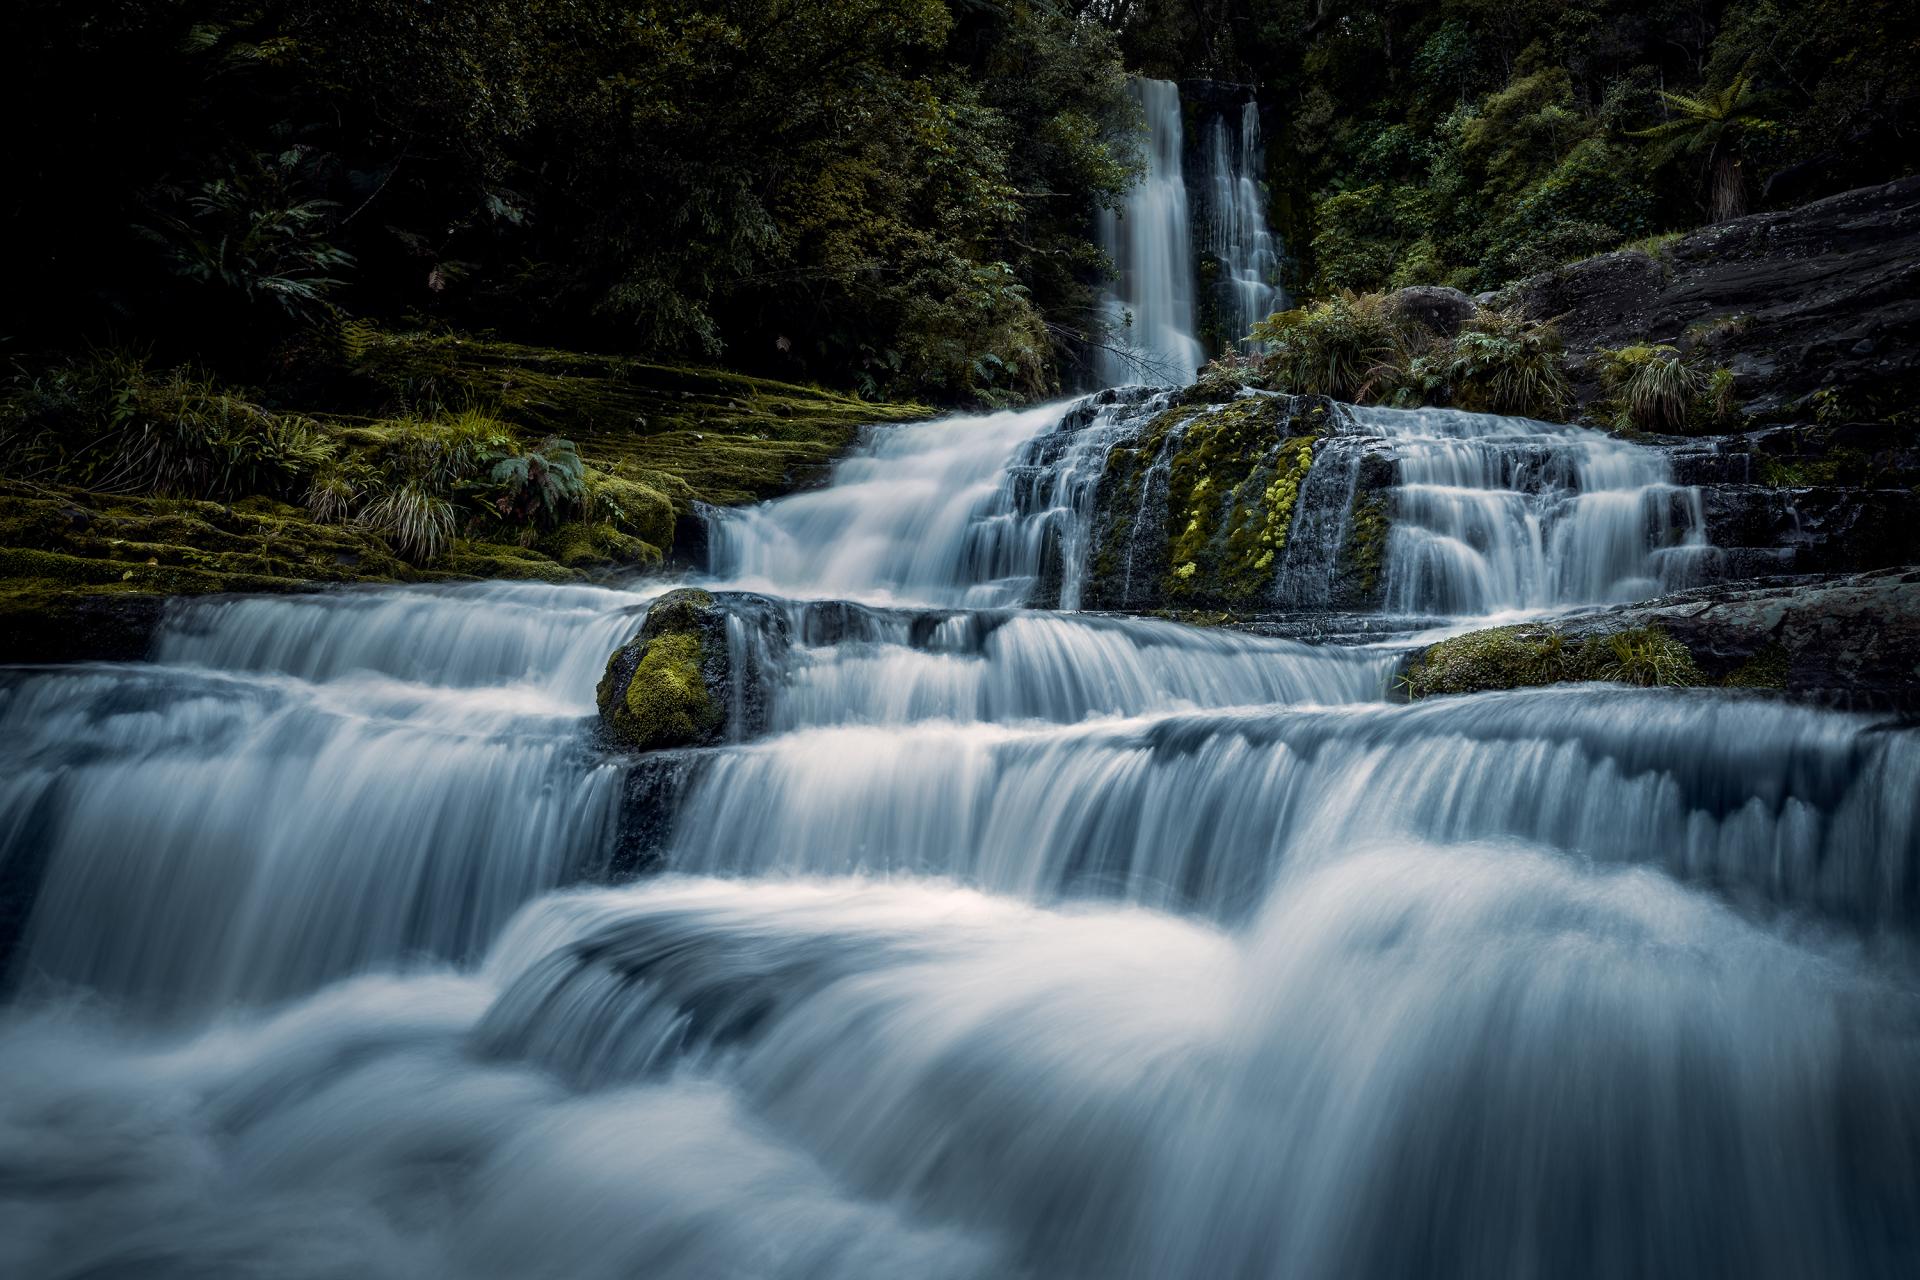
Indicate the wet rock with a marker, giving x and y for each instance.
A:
(1825, 296)
(684, 681)
(1850, 641)
(61, 626)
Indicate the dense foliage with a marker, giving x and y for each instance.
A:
(888, 194)
(1364, 349)
(892, 196)
(1468, 142)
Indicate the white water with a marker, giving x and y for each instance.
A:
(1024, 945)
(1507, 513)
(1150, 240)
(1237, 232)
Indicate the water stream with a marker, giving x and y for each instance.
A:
(1024, 943)
(1150, 240)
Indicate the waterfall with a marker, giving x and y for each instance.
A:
(1204, 811)
(1151, 243)
(1499, 513)
(1236, 228)
(318, 783)
(969, 511)
(1006, 941)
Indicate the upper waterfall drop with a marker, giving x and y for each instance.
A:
(1151, 243)
(1237, 234)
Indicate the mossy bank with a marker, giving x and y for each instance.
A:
(409, 457)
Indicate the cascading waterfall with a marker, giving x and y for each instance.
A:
(1236, 233)
(1499, 513)
(1020, 943)
(303, 787)
(1150, 240)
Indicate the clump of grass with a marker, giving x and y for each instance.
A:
(414, 519)
(1654, 246)
(1653, 384)
(1646, 656)
(1351, 347)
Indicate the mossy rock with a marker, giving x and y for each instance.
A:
(1194, 513)
(667, 686)
(1530, 656)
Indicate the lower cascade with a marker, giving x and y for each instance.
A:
(1003, 930)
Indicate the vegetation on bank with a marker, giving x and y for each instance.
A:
(1367, 349)
(415, 457)
(1375, 348)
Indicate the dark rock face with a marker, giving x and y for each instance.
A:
(1825, 296)
(1436, 308)
(109, 627)
(1851, 641)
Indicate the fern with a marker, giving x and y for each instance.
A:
(545, 485)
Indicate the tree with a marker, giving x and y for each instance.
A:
(1715, 127)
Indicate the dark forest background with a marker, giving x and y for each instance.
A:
(894, 197)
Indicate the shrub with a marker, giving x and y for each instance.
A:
(1351, 347)
(546, 485)
(1501, 363)
(1653, 386)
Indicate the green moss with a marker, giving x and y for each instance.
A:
(590, 544)
(1365, 553)
(1766, 669)
(655, 692)
(1528, 656)
(1233, 482)
(504, 560)
(667, 703)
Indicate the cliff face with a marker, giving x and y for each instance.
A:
(1824, 298)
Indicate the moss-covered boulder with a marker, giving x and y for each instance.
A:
(681, 682)
(667, 686)
(1531, 655)
(1194, 512)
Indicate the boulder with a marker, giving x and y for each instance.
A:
(1436, 308)
(681, 683)
(1851, 641)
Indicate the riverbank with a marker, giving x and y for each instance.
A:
(202, 487)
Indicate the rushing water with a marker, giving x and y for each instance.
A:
(1236, 231)
(1508, 513)
(1021, 943)
(1150, 240)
